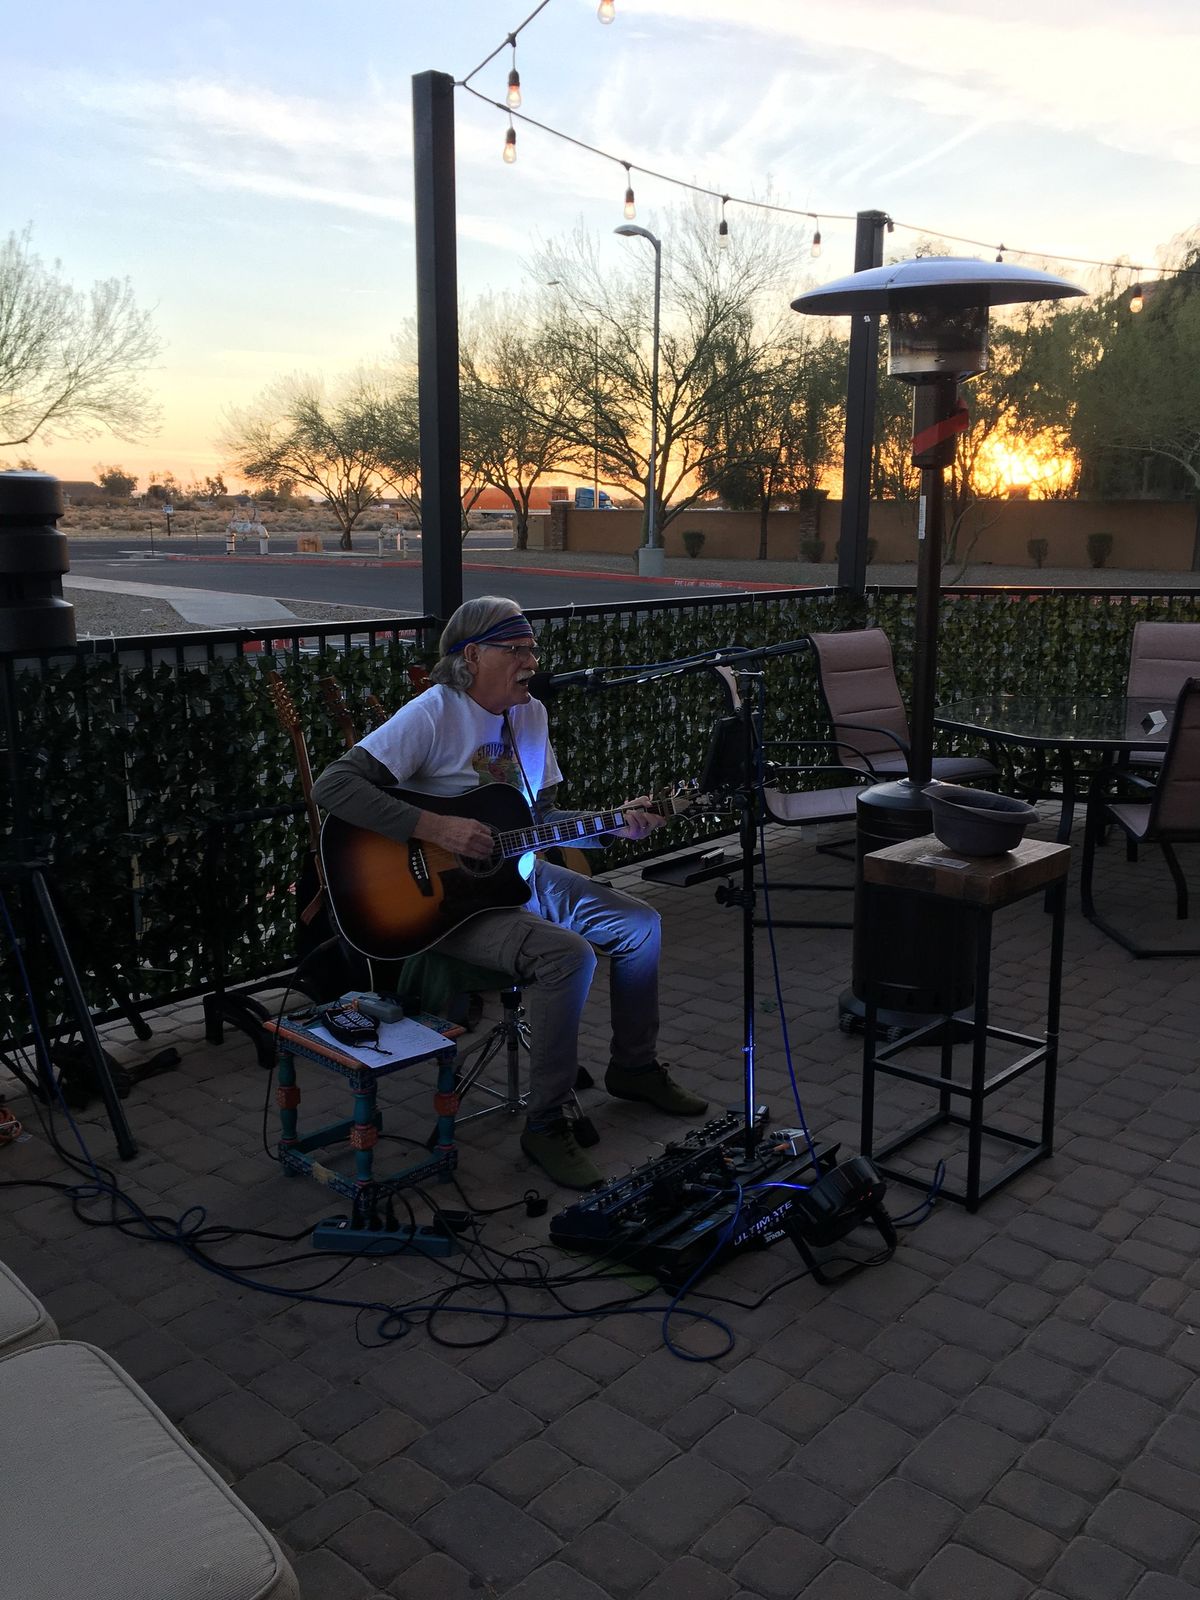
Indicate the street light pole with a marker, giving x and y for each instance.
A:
(650, 556)
(596, 421)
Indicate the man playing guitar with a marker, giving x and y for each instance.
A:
(476, 724)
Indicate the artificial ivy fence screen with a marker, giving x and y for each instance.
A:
(158, 777)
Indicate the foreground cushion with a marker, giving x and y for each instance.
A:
(104, 1498)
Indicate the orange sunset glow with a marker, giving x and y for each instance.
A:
(1034, 467)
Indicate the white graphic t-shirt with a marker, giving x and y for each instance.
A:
(444, 743)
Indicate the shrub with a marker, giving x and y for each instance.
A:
(1099, 548)
(1038, 550)
(812, 549)
(693, 541)
(871, 546)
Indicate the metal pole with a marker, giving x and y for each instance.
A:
(596, 422)
(652, 540)
(437, 342)
(861, 386)
(934, 403)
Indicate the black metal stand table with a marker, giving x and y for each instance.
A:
(982, 886)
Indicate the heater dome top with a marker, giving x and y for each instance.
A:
(934, 282)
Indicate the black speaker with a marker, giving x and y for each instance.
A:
(34, 617)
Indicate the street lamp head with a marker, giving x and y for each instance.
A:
(936, 307)
(631, 230)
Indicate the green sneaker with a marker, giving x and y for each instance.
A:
(654, 1085)
(560, 1158)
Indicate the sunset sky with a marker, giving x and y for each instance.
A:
(249, 166)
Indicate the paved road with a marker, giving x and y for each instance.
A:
(386, 586)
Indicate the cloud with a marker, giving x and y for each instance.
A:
(354, 158)
(1126, 77)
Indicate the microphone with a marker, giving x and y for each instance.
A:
(545, 685)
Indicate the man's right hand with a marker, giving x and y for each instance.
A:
(462, 836)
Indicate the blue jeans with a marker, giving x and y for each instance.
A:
(550, 948)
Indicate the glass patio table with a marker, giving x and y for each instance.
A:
(1087, 733)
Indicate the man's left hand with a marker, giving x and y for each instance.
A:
(638, 821)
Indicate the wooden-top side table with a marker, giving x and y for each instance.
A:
(982, 885)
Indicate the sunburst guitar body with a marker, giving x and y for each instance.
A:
(392, 900)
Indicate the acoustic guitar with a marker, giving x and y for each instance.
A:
(392, 900)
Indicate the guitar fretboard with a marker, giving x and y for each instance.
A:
(519, 841)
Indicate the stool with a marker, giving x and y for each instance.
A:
(981, 886)
(511, 1034)
(433, 977)
(23, 1320)
(104, 1497)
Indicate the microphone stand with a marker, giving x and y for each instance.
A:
(746, 801)
(745, 795)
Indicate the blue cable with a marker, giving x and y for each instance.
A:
(760, 774)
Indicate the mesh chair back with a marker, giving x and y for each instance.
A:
(1176, 806)
(858, 684)
(1162, 656)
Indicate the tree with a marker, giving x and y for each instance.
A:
(337, 445)
(209, 488)
(399, 443)
(713, 329)
(162, 488)
(517, 406)
(69, 361)
(1140, 400)
(115, 481)
(780, 433)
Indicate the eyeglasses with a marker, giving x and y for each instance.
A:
(530, 650)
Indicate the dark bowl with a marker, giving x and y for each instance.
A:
(976, 823)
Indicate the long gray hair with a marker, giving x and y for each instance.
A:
(473, 617)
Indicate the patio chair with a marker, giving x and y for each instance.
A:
(857, 679)
(793, 808)
(1168, 815)
(1162, 656)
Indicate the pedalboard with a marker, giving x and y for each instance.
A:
(701, 1201)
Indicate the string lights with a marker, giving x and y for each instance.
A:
(606, 13)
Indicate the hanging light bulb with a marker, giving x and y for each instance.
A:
(1000, 253)
(1137, 299)
(723, 227)
(630, 207)
(606, 10)
(513, 97)
(816, 242)
(510, 145)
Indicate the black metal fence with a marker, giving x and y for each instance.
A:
(158, 778)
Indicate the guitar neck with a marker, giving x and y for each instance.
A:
(519, 841)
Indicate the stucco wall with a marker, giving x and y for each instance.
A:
(1147, 534)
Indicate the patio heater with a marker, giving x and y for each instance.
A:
(937, 311)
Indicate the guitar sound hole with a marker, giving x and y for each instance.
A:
(482, 866)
